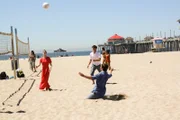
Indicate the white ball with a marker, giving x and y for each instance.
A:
(45, 5)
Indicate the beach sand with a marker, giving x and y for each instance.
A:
(148, 91)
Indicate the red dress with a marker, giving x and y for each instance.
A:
(45, 73)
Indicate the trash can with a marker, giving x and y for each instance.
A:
(12, 64)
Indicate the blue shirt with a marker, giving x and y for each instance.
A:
(100, 86)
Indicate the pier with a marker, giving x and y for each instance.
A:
(140, 46)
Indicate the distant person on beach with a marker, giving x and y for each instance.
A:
(108, 59)
(103, 50)
(95, 59)
(32, 61)
(45, 61)
(104, 57)
(10, 57)
(101, 79)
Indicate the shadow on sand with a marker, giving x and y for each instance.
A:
(10, 112)
(57, 90)
(111, 83)
(21, 111)
(116, 97)
(7, 112)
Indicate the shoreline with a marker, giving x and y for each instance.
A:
(52, 55)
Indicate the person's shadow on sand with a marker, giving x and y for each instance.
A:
(10, 112)
(111, 83)
(116, 97)
(57, 90)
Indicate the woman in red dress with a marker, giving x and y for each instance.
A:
(45, 61)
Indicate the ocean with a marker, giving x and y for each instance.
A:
(52, 55)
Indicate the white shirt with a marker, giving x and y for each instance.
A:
(95, 56)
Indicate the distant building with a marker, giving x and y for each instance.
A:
(111, 42)
(115, 39)
(129, 40)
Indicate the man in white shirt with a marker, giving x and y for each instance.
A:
(95, 59)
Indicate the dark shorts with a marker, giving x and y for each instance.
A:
(93, 68)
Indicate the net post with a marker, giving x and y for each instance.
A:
(13, 56)
(17, 49)
(28, 45)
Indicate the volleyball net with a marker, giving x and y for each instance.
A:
(7, 46)
(22, 47)
(5, 43)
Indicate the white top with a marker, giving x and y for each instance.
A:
(95, 56)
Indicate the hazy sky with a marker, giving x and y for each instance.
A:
(72, 24)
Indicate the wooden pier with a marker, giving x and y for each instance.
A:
(141, 46)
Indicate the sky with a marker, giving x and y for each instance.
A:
(78, 24)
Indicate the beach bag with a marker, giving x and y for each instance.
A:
(3, 76)
(20, 74)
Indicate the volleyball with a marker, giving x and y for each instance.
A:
(45, 5)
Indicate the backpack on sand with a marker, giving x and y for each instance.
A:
(20, 74)
(3, 76)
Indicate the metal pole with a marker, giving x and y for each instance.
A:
(28, 45)
(17, 49)
(170, 33)
(152, 34)
(165, 35)
(160, 34)
(13, 56)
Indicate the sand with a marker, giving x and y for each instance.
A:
(148, 91)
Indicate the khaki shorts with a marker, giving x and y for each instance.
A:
(32, 64)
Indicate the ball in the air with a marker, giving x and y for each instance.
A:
(45, 5)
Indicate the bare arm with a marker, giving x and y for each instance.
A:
(89, 63)
(50, 66)
(111, 70)
(99, 59)
(38, 65)
(85, 76)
